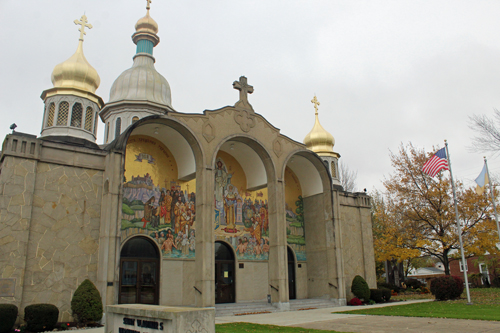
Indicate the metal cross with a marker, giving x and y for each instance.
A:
(316, 104)
(244, 89)
(148, 6)
(83, 22)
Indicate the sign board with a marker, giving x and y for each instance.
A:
(7, 287)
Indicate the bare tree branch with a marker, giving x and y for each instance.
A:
(487, 137)
(347, 177)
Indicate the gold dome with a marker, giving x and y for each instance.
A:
(147, 24)
(76, 72)
(319, 140)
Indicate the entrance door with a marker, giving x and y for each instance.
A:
(139, 272)
(224, 274)
(291, 275)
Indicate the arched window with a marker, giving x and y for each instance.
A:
(95, 123)
(135, 119)
(76, 115)
(50, 117)
(88, 118)
(118, 127)
(62, 114)
(334, 170)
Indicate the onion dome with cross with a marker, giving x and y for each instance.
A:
(71, 106)
(142, 82)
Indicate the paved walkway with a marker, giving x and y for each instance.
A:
(324, 319)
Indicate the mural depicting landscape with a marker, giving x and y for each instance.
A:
(294, 207)
(163, 210)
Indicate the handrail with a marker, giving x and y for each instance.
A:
(332, 285)
(198, 290)
(274, 287)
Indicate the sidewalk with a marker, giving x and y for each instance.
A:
(324, 319)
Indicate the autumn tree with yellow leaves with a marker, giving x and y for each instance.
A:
(415, 215)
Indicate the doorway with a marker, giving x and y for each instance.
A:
(139, 272)
(224, 274)
(291, 275)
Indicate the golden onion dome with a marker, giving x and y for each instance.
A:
(147, 24)
(76, 72)
(319, 140)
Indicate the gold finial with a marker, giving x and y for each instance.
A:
(148, 6)
(83, 22)
(316, 104)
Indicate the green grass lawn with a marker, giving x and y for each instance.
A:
(255, 328)
(486, 306)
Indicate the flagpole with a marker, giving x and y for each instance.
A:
(492, 197)
(459, 228)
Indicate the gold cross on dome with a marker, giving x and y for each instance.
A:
(316, 104)
(148, 6)
(84, 23)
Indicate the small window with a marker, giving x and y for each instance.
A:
(62, 115)
(334, 170)
(50, 117)
(118, 127)
(76, 115)
(95, 122)
(88, 118)
(135, 119)
(107, 132)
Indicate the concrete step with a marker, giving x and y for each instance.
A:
(246, 308)
(310, 303)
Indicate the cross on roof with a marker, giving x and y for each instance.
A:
(316, 104)
(244, 89)
(148, 6)
(83, 22)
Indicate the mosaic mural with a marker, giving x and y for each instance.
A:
(155, 202)
(294, 207)
(241, 216)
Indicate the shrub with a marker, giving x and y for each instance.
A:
(447, 287)
(386, 294)
(389, 286)
(360, 288)
(40, 317)
(8, 316)
(355, 301)
(86, 303)
(376, 295)
(414, 284)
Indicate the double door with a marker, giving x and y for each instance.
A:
(138, 281)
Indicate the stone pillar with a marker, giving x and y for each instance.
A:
(337, 229)
(278, 259)
(205, 257)
(109, 240)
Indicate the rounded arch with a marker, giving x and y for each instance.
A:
(228, 247)
(307, 165)
(186, 162)
(291, 254)
(245, 148)
(144, 237)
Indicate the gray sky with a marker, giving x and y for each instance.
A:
(385, 72)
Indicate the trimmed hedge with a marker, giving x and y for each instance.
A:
(86, 303)
(360, 288)
(413, 284)
(386, 294)
(447, 287)
(41, 317)
(376, 295)
(8, 316)
(389, 286)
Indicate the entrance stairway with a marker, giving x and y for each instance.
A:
(247, 308)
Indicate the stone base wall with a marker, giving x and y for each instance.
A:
(177, 282)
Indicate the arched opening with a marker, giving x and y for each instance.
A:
(291, 275)
(224, 274)
(139, 272)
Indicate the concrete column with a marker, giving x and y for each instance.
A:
(108, 271)
(337, 225)
(278, 260)
(205, 257)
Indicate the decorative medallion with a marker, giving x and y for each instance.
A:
(245, 120)
(278, 147)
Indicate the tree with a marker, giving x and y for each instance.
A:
(488, 134)
(416, 213)
(347, 177)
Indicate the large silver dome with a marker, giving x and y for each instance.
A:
(141, 82)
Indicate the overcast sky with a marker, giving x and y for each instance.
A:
(385, 72)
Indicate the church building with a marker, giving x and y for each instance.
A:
(174, 208)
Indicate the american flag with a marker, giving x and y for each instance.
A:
(437, 163)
